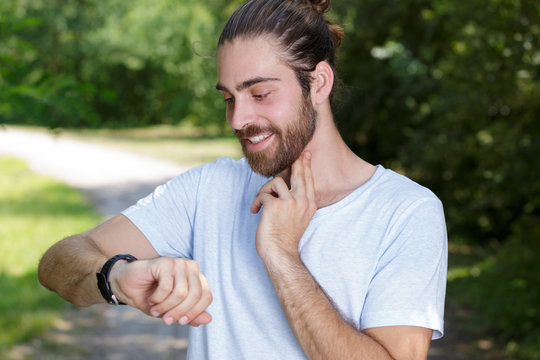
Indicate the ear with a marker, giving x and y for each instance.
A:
(323, 82)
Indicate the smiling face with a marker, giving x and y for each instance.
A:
(265, 107)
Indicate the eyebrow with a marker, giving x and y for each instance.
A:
(246, 84)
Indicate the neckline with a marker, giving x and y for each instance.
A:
(352, 196)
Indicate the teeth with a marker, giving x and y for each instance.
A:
(258, 139)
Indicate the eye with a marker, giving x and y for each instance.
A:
(260, 97)
(228, 100)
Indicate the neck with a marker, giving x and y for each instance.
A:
(337, 171)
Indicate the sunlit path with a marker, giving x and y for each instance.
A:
(113, 180)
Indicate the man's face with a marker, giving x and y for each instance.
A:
(265, 106)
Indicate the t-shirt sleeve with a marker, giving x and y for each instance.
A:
(166, 216)
(409, 283)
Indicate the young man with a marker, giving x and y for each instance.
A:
(302, 249)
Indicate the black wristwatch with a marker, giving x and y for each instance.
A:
(103, 278)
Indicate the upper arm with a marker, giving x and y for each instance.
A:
(119, 235)
(409, 281)
(402, 342)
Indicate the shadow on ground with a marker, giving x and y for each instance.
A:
(106, 332)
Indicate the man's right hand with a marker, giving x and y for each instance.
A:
(172, 289)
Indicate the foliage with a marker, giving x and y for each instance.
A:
(34, 212)
(91, 63)
(447, 92)
(431, 77)
(40, 61)
(503, 289)
(450, 94)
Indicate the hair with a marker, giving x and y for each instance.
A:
(302, 33)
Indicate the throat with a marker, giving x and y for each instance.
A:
(331, 199)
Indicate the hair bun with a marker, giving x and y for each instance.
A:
(336, 31)
(321, 6)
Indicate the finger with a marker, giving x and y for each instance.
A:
(272, 189)
(297, 176)
(310, 183)
(286, 176)
(163, 271)
(180, 309)
(259, 201)
(175, 294)
(276, 186)
(203, 319)
(204, 300)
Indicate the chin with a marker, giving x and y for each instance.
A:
(269, 166)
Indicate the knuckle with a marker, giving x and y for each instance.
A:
(167, 261)
(278, 179)
(192, 265)
(166, 286)
(181, 293)
(180, 264)
(196, 292)
(207, 298)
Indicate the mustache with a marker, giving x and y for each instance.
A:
(254, 130)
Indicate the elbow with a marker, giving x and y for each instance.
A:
(43, 272)
(48, 270)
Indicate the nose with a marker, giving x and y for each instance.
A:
(240, 115)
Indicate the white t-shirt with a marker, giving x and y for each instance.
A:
(380, 254)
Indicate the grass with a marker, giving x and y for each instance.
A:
(35, 212)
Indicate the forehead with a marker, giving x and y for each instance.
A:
(249, 58)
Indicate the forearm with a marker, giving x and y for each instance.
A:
(69, 268)
(318, 326)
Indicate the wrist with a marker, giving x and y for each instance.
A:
(281, 259)
(114, 276)
(103, 278)
(276, 248)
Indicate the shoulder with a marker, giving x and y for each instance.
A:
(402, 200)
(398, 184)
(399, 189)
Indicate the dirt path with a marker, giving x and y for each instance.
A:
(113, 180)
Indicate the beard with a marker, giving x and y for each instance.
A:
(290, 142)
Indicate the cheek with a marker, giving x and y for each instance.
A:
(281, 110)
(275, 112)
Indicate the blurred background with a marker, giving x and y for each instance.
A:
(446, 92)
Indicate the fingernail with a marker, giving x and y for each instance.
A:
(184, 320)
(155, 313)
(168, 320)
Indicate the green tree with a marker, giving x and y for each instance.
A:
(450, 94)
(91, 63)
(41, 54)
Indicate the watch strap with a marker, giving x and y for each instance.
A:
(103, 278)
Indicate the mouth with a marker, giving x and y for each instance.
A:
(258, 142)
(258, 139)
